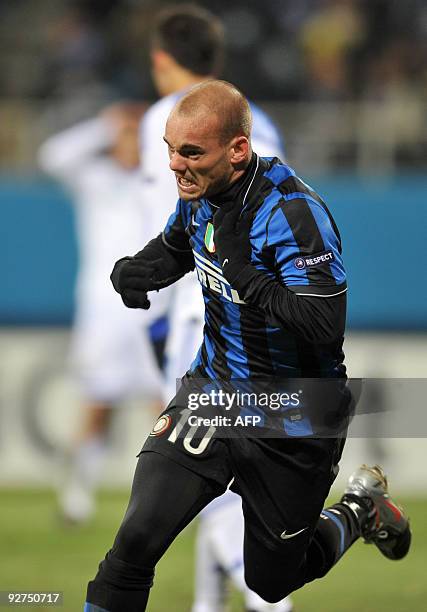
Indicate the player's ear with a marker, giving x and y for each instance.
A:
(239, 150)
(160, 59)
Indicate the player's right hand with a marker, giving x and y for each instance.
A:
(132, 278)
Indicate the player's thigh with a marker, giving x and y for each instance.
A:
(283, 486)
(284, 483)
(201, 448)
(181, 469)
(165, 497)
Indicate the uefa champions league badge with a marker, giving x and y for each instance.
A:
(163, 423)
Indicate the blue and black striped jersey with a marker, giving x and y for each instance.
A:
(294, 241)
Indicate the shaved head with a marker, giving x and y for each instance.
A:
(207, 133)
(222, 100)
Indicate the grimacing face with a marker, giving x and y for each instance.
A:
(201, 163)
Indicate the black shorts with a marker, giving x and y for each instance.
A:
(283, 481)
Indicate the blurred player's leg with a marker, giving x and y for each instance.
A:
(185, 332)
(77, 498)
(113, 361)
(210, 579)
(220, 543)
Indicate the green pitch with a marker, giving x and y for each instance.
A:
(38, 554)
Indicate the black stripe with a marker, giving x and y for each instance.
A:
(260, 188)
(294, 184)
(255, 342)
(307, 236)
(253, 323)
(270, 216)
(269, 256)
(264, 187)
(308, 358)
(216, 315)
(176, 238)
(205, 360)
(204, 357)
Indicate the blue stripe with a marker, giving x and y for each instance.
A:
(298, 429)
(338, 523)
(197, 361)
(93, 608)
(185, 208)
(330, 240)
(207, 342)
(281, 237)
(235, 353)
(159, 328)
(171, 221)
(287, 249)
(258, 232)
(181, 211)
(279, 173)
(329, 237)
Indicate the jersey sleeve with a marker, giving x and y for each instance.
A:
(169, 252)
(307, 247)
(174, 235)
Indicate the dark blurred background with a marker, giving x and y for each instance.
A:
(359, 64)
(346, 81)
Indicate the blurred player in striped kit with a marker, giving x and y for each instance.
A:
(111, 354)
(187, 48)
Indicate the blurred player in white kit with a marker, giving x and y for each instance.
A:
(111, 355)
(187, 48)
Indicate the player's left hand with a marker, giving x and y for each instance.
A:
(231, 237)
(132, 278)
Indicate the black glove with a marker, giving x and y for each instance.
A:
(132, 278)
(231, 239)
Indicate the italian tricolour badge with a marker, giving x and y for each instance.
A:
(209, 238)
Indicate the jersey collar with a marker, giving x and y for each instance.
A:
(239, 190)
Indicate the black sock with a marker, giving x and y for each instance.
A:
(337, 529)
